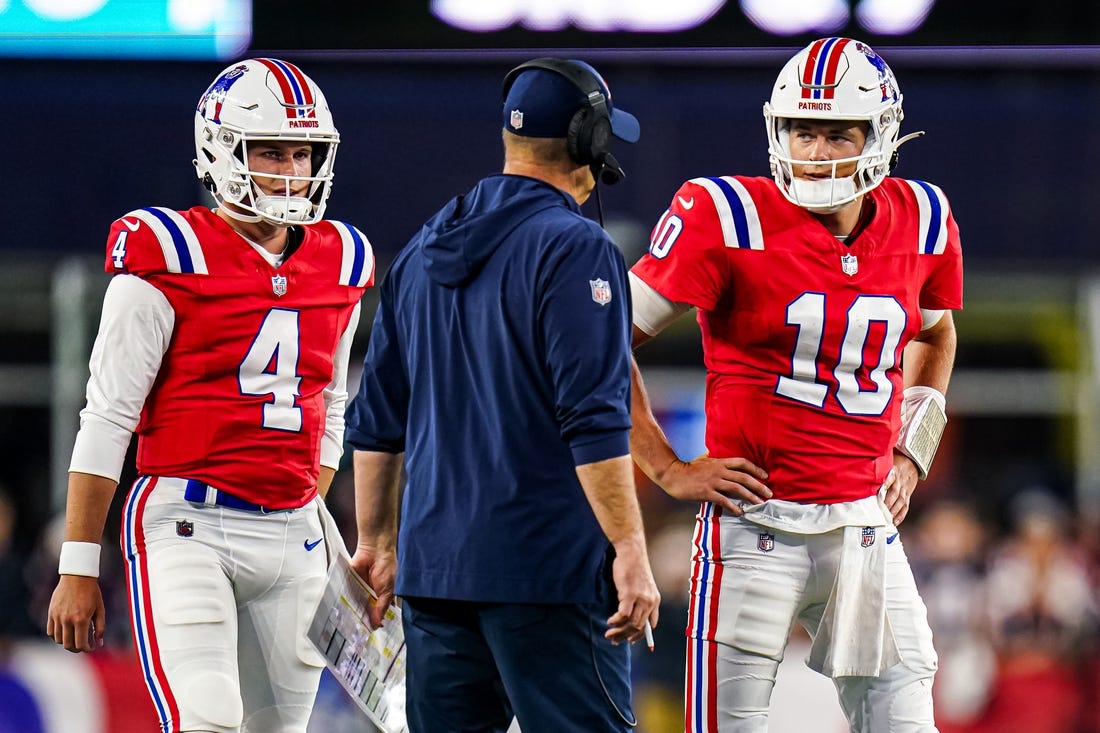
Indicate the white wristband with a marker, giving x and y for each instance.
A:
(79, 558)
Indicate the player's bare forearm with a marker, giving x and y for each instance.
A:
(86, 506)
(77, 618)
(717, 480)
(324, 480)
(649, 447)
(377, 494)
(609, 488)
(930, 356)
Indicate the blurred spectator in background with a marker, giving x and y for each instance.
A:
(1089, 540)
(15, 619)
(948, 556)
(17, 712)
(1042, 614)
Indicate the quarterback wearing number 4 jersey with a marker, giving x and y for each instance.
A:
(251, 353)
(824, 296)
(224, 345)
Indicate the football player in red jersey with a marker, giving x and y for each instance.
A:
(224, 345)
(810, 287)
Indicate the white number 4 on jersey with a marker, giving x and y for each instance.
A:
(271, 368)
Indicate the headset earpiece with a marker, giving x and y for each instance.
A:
(573, 138)
(589, 136)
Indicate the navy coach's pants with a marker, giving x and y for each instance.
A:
(472, 666)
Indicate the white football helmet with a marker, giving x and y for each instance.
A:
(264, 99)
(835, 79)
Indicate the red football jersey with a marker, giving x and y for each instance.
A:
(238, 402)
(803, 334)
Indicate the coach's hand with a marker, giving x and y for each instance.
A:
(638, 595)
(77, 617)
(717, 480)
(378, 567)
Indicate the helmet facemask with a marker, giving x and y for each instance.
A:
(258, 101)
(834, 79)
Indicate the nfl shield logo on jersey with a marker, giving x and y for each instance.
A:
(278, 285)
(766, 542)
(185, 528)
(849, 264)
(601, 291)
(867, 537)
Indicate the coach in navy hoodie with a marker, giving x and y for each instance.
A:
(499, 369)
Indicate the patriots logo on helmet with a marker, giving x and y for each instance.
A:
(185, 528)
(216, 93)
(867, 537)
(766, 542)
(885, 77)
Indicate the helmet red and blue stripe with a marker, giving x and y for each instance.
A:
(820, 76)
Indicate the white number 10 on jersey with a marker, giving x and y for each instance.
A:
(271, 368)
(807, 313)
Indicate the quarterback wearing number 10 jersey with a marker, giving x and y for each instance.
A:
(777, 294)
(251, 353)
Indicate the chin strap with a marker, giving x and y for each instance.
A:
(279, 210)
(247, 218)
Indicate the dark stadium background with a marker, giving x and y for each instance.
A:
(1008, 138)
(1009, 95)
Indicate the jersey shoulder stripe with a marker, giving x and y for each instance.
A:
(357, 265)
(737, 213)
(934, 209)
(181, 248)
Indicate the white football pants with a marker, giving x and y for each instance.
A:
(749, 586)
(221, 600)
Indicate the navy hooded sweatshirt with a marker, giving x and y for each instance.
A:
(499, 360)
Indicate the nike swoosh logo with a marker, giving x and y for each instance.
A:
(891, 538)
(686, 203)
(310, 545)
(133, 227)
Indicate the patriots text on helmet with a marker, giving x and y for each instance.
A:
(816, 106)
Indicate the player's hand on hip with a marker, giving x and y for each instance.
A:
(900, 484)
(378, 567)
(717, 480)
(639, 599)
(77, 617)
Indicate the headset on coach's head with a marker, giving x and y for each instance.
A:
(589, 137)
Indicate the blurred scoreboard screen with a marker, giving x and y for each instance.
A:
(145, 29)
(595, 24)
(227, 29)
